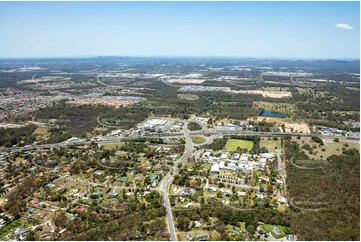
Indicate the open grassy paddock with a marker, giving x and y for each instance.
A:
(233, 144)
(110, 146)
(331, 147)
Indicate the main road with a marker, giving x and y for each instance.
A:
(167, 180)
(223, 131)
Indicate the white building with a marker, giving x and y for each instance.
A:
(215, 169)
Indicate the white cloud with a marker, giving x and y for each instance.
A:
(344, 26)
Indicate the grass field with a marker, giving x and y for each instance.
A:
(41, 133)
(185, 96)
(233, 144)
(111, 146)
(271, 145)
(286, 108)
(198, 140)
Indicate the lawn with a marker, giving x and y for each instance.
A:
(198, 140)
(110, 146)
(233, 144)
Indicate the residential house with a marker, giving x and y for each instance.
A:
(276, 231)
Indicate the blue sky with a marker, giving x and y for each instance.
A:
(245, 29)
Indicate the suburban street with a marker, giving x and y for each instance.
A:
(167, 180)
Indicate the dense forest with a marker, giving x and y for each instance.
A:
(326, 198)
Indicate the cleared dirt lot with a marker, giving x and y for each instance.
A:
(186, 81)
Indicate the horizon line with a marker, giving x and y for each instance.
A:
(181, 56)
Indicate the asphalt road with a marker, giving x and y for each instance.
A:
(165, 183)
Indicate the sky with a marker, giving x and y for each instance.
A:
(239, 29)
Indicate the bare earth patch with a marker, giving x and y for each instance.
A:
(268, 119)
(108, 102)
(270, 94)
(186, 81)
(296, 127)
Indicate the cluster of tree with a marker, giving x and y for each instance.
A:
(217, 144)
(193, 126)
(126, 117)
(13, 136)
(136, 147)
(316, 139)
